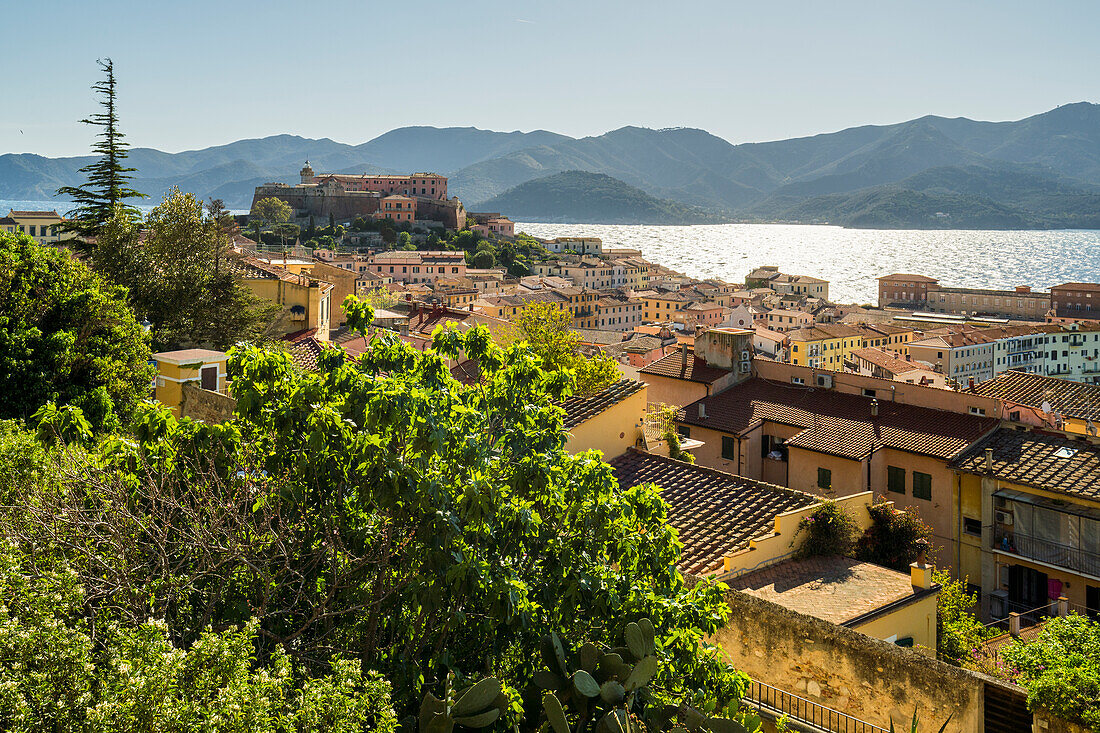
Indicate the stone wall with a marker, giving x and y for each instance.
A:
(843, 669)
(202, 404)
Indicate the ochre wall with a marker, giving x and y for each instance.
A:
(844, 669)
(611, 431)
(917, 620)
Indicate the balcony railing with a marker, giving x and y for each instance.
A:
(776, 703)
(1033, 548)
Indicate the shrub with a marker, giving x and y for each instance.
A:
(829, 531)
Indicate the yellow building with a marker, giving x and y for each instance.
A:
(43, 226)
(204, 367)
(826, 346)
(609, 421)
(1029, 511)
(306, 301)
(662, 307)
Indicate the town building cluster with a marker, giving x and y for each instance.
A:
(973, 408)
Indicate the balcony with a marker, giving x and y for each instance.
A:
(1052, 553)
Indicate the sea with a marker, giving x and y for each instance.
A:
(850, 259)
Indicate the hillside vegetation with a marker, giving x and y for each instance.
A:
(586, 198)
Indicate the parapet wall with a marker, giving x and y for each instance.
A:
(843, 669)
(202, 404)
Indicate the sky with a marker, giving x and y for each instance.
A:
(196, 74)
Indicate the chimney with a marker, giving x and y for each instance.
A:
(989, 460)
(702, 411)
(970, 381)
(684, 353)
(920, 572)
(874, 407)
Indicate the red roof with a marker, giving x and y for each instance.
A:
(690, 368)
(837, 423)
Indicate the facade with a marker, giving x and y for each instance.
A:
(397, 207)
(1020, 304)
(427, 185)
(1069, 351)
(886, 336)
(43, 226)
(1076, 300)
(800, 285)
(825, 346)
(578, 245)
(783, 320)
(418, 267)
(306, 301)
(204, 367)
(662, 307)
(908, 291)
(493, 225)
(1030, 518)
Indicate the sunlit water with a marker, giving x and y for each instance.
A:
(851, 259)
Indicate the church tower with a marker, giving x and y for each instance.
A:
(307, 173)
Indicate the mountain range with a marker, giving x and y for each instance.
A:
(933, 172)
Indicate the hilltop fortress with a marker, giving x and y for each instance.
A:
(419, 197)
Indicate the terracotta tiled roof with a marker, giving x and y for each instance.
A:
(822, 332)
(715, 513)
(833, 588)
(34, 214)
(304, 352)
(579, 409)
(1049, 461)
(253, 268)
(1067, 286)
(911, 278)
(1071, 399)
(838, 423)
(891, 361)
(691, 368)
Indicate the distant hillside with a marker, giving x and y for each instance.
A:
(591, 198)
(1002, 196)
(1042, 170)
(232, 171)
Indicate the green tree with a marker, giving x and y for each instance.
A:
(958, 631)
(379, 510)
(175, 274)
(66, 337)
(63, 671)
(829, 530)
(548, 330)
(1060, 668)
(270, 211)
(404, 241)
(107, 188)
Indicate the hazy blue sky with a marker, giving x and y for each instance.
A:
(201, 73)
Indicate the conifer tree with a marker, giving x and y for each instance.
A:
(108, 179)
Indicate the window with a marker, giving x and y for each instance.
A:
(895, 479)
(977, 410)
(922, 485)
(729, 448)
(972, 526)
(824, 478)
(868, 392)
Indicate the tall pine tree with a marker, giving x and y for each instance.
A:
(108, 179)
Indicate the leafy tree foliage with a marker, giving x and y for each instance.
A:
(379, 510)
(65, 672)
(548, 329)
(272, 210)
(107, 189)
(1061, 668)
(958, 631)
(176, 274)
(66, 337)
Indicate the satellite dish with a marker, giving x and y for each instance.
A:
(1045, 407)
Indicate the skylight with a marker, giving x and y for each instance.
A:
(1065, 452)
